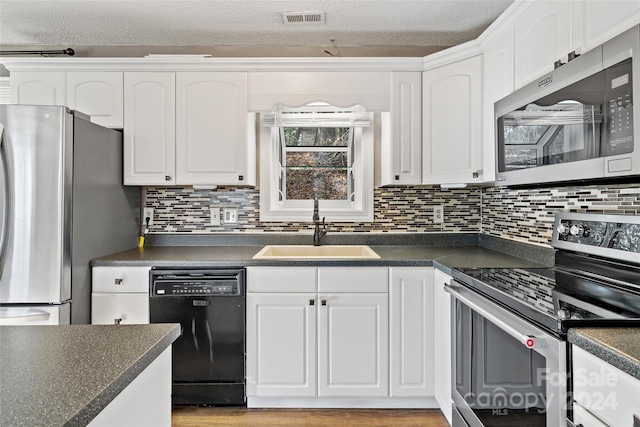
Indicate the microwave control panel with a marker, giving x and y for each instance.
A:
(619, 99)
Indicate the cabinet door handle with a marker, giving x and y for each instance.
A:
(118, 281)
(324, 302)
(167, 178)
(312, 302)
(117, 321)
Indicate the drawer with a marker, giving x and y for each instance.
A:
(120, 279)
(124, 309)
(281, 279)
(353, 279)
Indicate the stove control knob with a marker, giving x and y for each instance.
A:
(564, 314)
(563, 228)
(576, 230)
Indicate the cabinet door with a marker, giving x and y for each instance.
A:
(442, 343)
(38, 88)
(498, 83)
(402, 149)
(281, 344)
(596, 21)
(411, 332)
(109, 309)
(452, 150)
(149, 128)
(542, 36)
(211, 128)
(353, 345)
(97, 94)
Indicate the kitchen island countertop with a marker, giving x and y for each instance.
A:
(66, 375)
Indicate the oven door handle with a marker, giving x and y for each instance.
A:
(528, 341)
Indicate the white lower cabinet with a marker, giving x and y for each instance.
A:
(603, 394)
(119, 295)
(323, 336)
(411, 331)
(442, 344)
(281, 343)
(353, 344)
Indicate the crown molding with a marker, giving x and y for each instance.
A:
(183, 63)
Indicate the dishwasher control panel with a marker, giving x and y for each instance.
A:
(186, 283)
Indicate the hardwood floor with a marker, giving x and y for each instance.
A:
(193, 416)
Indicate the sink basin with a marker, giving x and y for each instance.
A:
(316, 252)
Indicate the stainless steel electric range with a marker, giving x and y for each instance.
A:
(510, 325)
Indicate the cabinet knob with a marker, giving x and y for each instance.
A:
(167, 178)
(117, 321)
(240, 177)
(324, 302)
(117, 281)
(397, 177)
(312, 302)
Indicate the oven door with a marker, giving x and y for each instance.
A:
(505, 371)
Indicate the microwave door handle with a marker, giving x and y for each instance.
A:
(5, 200)
(524, 339)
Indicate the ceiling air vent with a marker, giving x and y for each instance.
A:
(290, 18)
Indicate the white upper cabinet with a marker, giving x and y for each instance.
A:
(596, 21)
(97, 94)
(402, 147)
(542, 36)
(452, 123)
(498, 83)
(149, 128)
(212, 139)
(38, 88)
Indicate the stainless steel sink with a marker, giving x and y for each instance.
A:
(316, 252)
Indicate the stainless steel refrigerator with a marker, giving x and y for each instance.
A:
(62, 203)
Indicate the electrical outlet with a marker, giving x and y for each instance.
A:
(147, 213)
(438, 214)
(215, 216)
(230, 215)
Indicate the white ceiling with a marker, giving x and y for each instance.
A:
(186, 25)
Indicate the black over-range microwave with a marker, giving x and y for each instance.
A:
(576, 123)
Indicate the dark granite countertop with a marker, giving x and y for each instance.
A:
(619, 347)
(66, 375)
(444, 257)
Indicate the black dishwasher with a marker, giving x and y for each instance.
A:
(208, 364)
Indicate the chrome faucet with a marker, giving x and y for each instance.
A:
(318, 234)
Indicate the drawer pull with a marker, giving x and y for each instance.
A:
(117, 321)
(118, 281)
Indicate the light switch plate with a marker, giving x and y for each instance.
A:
(214, 216)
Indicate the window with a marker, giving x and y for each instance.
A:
(316, 150)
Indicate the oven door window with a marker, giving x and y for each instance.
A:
(500, 379)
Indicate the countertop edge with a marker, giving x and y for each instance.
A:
(604, 352)
(107, 395)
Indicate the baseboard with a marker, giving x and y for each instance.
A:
(343, 402)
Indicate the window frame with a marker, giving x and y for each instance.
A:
(358, 210)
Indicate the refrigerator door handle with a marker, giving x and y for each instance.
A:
(21, 316)
(5, 198)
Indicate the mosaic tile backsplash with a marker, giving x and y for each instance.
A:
(398, 210)
(524, 215)
(527, 215)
